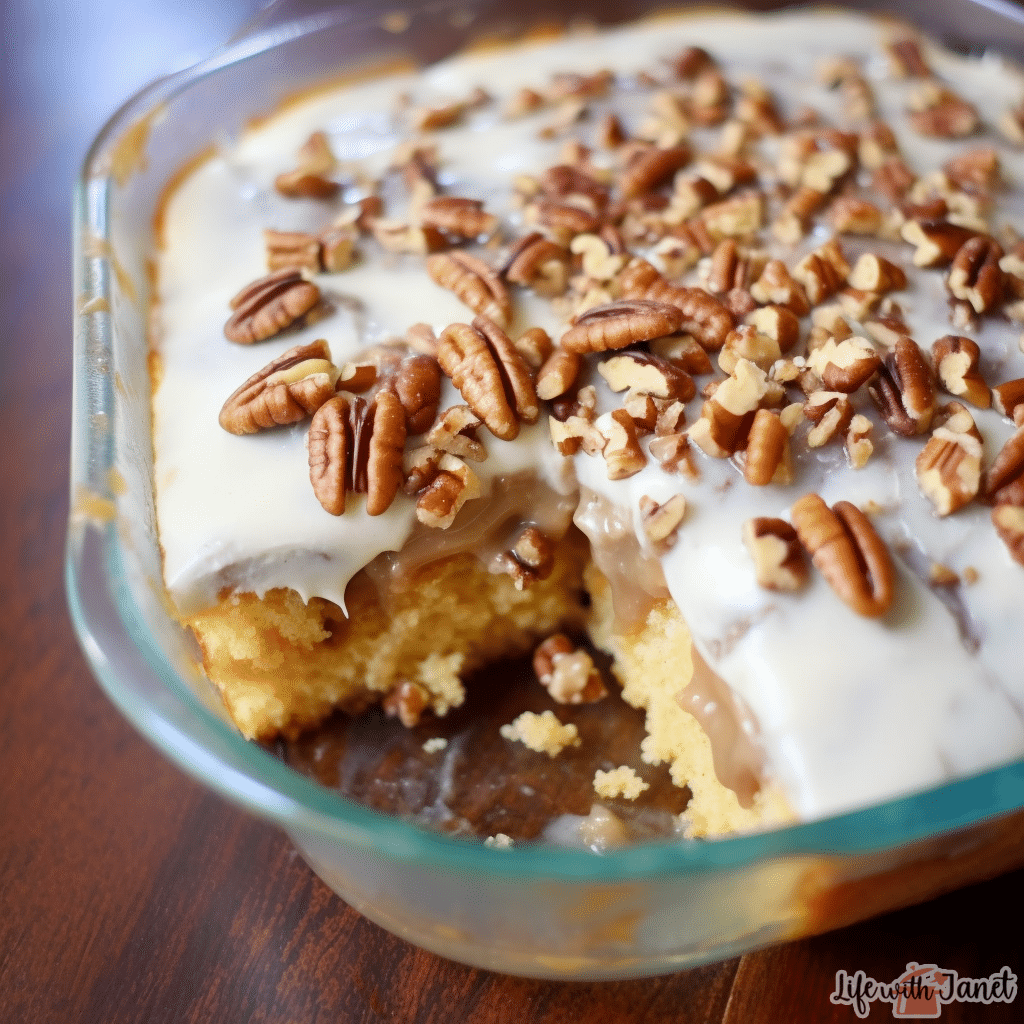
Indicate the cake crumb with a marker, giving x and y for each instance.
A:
(622, 781)
(498, 842)
(543, 733)
(434, 744)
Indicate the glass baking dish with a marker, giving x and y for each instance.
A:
(540, 912)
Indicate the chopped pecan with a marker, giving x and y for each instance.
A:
(727, 415)
(455, 433)
(1011, 124)
(622, 452)
(286, 390)
(292, 249)
(690, 62)
(893, 178)
(795, 216)
(530, 559)
(873, 273)
(444, 115)
(768, 457)
(309, 180)
(475, 284)
(357, 446)
(1004, 480)
(940, 113)
(956, 365)
(537, 262)
(704, 317)
(442, 499)
(746, 342)
(642, 411)
(661, 522)
(848, 552)
(976, 171)
(736, 217)
(1008, 399)
(831, 412)
(1009, 523)
(270, 304)
(618, 324)
(905, 389)
(566, 183)
(731, 268)
(975, 275)
(779, 562)
(937, 241)
(852, 216)
(491, 375)
(421, 337)
(558, 374)
(878, 144)
(859, 446)
(566, 673)
(357, 377)
(757, 109)
(822, 272)
(684, 352)
(949, 466)
(778, 323)
(534, 345)
(649, 167)
(600, 261)
(420, 467)
(777, 287)
(406, 701)
(458, 217)
(673, 454)
(846, 365)
(397, 236)
(647, 374)
(907, 61)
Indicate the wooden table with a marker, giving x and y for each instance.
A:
(128, 893)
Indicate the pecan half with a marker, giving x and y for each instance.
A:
(566, 673)
(649, 167)
(475, 283)
(417, 383)
(618, 324)
(779, 561)
(1009, 523)
(704, 316)
(948, 468)
(558, 374)
(848, 552)
(490, 374)
(975, 275)
(358, 447)
(956, 366)
(268, 305)
(286, 390)
(458, 217)
(905, 390)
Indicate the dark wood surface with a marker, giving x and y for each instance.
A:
(128, 893)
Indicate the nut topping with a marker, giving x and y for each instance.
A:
(937, 241)
(270, 304)
(956, 365)
(623, 455)
(532, 558)
(777, 287)
(822, 272)
(566, 673)
(285, 391)
(539, 263)
(1004, 481)
(651, 166)
(1008, 399)
(558, 374)
(474, 283)
(458, 217)
(417, 384)
(704, 316)
(949, 466)
(308, 180)
(768, 457)
(905, 391)
(358, 447)
(779, 561)
(647, 374)
(975, 275)
(1009, 523)
(876, 274)
(661, 522)
(442, 499)
(846, 365)
(727, 416)
(455, 433)
(848, 552)
(618, 324)
(831, 412)
(490, 374)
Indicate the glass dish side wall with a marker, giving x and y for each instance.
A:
(550, 913)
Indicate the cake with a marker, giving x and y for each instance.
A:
(701, 337)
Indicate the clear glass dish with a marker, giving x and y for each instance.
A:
(540, 912)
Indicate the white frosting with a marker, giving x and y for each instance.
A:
(850, 710)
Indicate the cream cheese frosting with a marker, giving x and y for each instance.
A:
(849, 710)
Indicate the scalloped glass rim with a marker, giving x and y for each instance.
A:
(123, 654)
